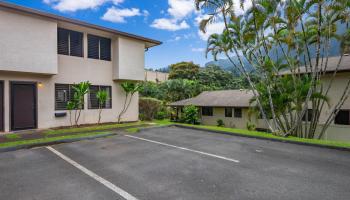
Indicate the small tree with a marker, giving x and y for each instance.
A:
(102, 97)
(190, 114)
(130, 88)
(80, 90)
(71, 106)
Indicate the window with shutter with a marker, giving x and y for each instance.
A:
(342, 118)
(207, 111)
(62, 41)
(93, 47)
(70, 43)
(238, 112)
(228, 112)
(93, 101)
(99, 48)
(105, 49)
(76, 43)
(63, 94)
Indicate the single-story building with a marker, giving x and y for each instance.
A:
(42, 55)
(232, 106)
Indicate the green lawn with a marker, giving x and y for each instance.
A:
(258, 134)
(91, 128)
(12, 136)
(50, 139)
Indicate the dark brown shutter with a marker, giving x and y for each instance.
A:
(62, 96)
(76, 43)
(105, 49)
(93, 101)
(93, 47)
(62, 41)
(343, 117)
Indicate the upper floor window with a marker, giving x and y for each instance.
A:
(70, 42)
(93, 100)
(207, 111)
(238, 112)
(228, 112)
(343, 117)
(99, 47)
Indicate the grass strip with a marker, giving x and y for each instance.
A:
(258, 134)
(50, 139)
(12, 136)
(90, 128)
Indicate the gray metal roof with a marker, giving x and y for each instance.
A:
(222, 98)
(331, 66)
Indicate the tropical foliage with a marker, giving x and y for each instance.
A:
(287, 43)
(190, 115)
(129, 88)
(102, 97)
(77, 102)
(149, 107)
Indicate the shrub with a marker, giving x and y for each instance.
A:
(251, 126)
(190, 114)
(220, 123)
(149, 107)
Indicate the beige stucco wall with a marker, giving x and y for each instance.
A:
(130, 60)
(219, 113)
(27, 44)
(155, 76)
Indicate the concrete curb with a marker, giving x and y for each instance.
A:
(255, 137)
(29, 146)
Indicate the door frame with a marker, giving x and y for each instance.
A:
(12, 83)
(3, 105)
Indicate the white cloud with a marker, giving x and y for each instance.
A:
(198, 49)
(213, 28)
(177, 38)
(180, 9)
(117, 15)
(74, 5)
(169, 24)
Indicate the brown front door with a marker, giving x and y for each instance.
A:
(1, 106)
(23, 106)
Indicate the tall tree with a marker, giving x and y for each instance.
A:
(130, 88)
(183, 70)
(299, 34)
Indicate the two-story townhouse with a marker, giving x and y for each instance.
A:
(42, 55)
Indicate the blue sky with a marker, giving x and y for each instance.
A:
(174, 22)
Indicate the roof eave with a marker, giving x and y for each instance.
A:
(151, 42)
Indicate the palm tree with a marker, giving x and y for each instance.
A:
(276, 36)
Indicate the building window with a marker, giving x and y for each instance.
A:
(63, 94)
(343, 117)
(238, 112)
(93, 101)
(228, 112)
(99, 47)
(69, 42)
(207, 111)
(308, 114)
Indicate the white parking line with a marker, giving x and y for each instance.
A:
(184, 148)
(103, 181)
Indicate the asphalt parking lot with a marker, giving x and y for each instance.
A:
(175, 163)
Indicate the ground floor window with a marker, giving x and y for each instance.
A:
(228, 112)
(207, 111)
(308, 114)
(238, 112)
(63, 94)
(343, 117)
(94, 102)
